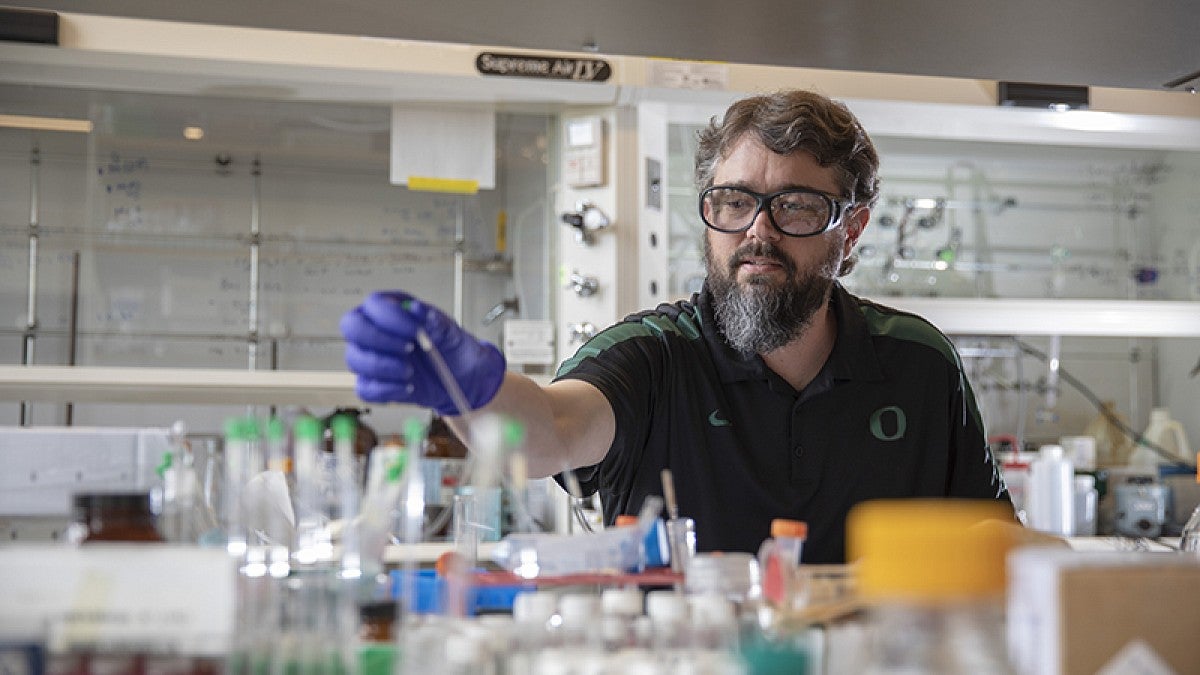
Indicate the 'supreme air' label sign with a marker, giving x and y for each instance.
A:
(546, 67)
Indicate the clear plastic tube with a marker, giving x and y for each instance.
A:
(238, 438)
(543, 554)
(312, 536)
(344, 429)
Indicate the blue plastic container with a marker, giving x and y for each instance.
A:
(430, 593)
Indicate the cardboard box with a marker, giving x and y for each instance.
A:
(1082, 613)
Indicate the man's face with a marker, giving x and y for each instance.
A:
(769, 286)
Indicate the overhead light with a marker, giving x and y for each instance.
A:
(46, 123)
(193, 133)
(1059, 97)
(1092, 120)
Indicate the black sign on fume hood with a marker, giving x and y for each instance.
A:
(544, 67)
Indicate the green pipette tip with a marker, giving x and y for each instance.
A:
(343, 427)
(513, 433)
(307, 428)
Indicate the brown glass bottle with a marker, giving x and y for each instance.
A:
(365, 439)
(377, 655)
(377, 621)
(448, 454)
(115, 516)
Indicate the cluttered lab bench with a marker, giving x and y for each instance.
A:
(164, 581)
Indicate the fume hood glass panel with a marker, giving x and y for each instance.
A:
(975, 219)
(961, 219)
(281, 211)
(1020, 395)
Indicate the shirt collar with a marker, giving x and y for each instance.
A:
(853, 356)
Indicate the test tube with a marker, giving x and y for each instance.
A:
(312, 539)
(466, 531)
(238, 438)
(344, 430)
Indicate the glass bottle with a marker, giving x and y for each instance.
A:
(105, 517)
(446, 457)
(365, 439)
(115, 516)
(378, 648)
(932, 573)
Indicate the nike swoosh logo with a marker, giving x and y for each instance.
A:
(715, 419)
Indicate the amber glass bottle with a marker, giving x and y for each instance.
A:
(116, 516)
(446, 458)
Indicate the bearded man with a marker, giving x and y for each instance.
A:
(771, 393)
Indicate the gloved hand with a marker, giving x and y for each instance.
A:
(382, 349)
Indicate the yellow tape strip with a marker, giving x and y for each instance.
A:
(455, 185)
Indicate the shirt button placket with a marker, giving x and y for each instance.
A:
(794, 443)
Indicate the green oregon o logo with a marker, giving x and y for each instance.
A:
(901, 423)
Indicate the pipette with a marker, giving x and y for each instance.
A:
(488, 438)
(447, 378)
(668, 483)
(484, 443)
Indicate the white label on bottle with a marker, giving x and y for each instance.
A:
(452, 472)
(160, 597)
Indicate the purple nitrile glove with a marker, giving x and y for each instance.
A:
(382, 350)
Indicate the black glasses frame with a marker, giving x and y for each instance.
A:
(838, 208)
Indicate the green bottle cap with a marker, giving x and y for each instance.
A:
(307, 428)
(253, 430)
(235, 429)
(275, 430)
(344, 427)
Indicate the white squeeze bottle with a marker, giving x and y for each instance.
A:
(1167, 434)
(1051, 497)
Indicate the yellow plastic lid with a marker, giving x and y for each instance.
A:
(930, 549)
(784, 527)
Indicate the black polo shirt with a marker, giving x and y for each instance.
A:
(891, 414)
